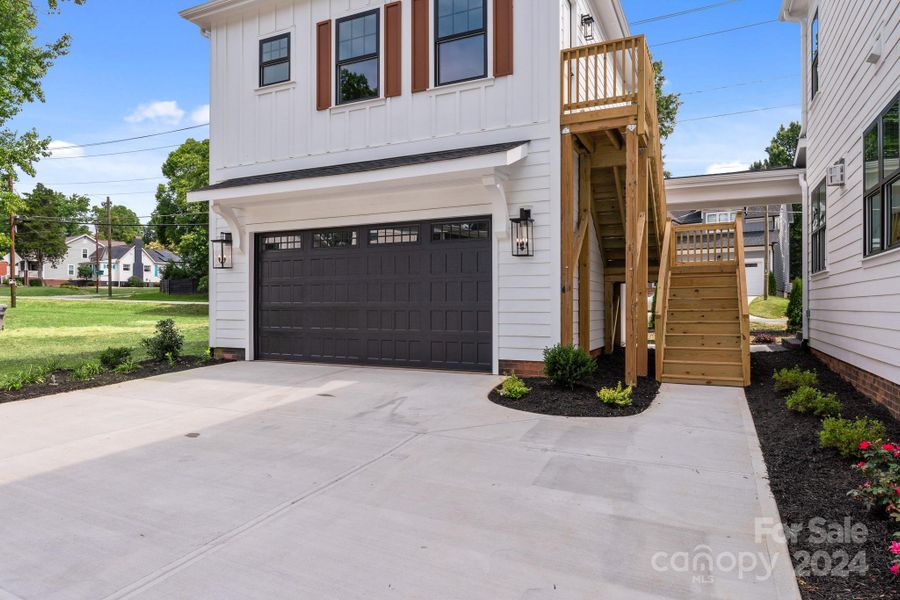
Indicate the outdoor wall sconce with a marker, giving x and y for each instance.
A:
(222, 252)
(522, 233)
(587, 27)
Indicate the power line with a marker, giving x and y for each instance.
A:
(25, 219)
(114, 153)
(683, 12)
(740, 112)
(739, 84)
(711, 33)
(108, 181)
(130, 139)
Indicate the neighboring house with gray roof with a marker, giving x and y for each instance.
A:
(133, 260)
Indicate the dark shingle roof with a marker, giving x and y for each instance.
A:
(368, 165)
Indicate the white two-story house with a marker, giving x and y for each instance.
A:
(371, 161)
(850, 54)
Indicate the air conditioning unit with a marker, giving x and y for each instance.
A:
(836, 174)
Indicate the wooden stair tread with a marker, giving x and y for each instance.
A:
(699, 379)
(702, 362)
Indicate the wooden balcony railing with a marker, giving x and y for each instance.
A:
(704, 243)
(662, 295)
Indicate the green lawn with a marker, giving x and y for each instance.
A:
(153, 294)
(149, 294)
(41, 329)
(773, 308)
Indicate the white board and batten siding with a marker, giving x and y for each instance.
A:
(855, 303)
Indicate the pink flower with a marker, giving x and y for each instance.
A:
(861, 464)
(895, 547)
(864, 445)
(895, 569)
(897, 454)
(898, 491)
(888, 447)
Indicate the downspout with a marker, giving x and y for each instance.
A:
(804, 203)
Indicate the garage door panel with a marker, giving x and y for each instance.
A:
(415, 295)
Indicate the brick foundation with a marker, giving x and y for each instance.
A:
(532, 368)
(228, 353)
(877, 388)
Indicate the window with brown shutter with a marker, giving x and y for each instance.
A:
(503, 38)
(393, 49)
(420, 45)
(323, 65)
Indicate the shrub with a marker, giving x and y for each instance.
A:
(135, 281)
(567, 365)
(203, 284)
(787, 380)
(881, 468)
(807, 399)
(166, 344)
(795, 306)
(85, 271)
(773, 284)
(31, 374)
(87, 370)
(764, 338)
(128, 366)
(847, 436)
(35, 283)
(113, 357)
(513, 387)
(617, 396)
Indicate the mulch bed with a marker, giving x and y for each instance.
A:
(62, 381)
(810, 482)
(582, 401)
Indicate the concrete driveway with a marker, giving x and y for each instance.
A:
(264, 480)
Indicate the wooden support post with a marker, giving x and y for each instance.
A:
(643, 196)
(584, 253)
(567, 235)
(609, 331)
(632, 256)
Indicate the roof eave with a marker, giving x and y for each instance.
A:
(202, 15)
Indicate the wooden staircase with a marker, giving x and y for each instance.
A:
(702, 321)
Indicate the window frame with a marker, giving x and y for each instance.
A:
(814, 55)
(269, 63)
(338, 63)
(84, 253)
(438, 40)
(881, 188)
(818, 239)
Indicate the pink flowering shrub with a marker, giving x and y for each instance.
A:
(895, 555)
(881, 468)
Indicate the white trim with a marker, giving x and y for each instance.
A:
(734, 190)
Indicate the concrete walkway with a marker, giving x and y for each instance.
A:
(264, 480)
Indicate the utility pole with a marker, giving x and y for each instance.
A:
(109, 246)
(766, 261)
(97, 258)
(12, 250)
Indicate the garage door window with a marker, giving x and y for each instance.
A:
(462, 230)
(281, 242)
(405, 234)
(339, 238)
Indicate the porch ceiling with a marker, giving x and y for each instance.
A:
(734, 190)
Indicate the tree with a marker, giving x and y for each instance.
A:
(781, 152)
(76, 208)
(23, 64)
(125, 222)
(85, 271)
(39, 237)
(667, 106)
(10, 204)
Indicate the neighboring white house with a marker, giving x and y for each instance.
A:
(419, 170)
(148, 269)
(850, 57)
(79, 248)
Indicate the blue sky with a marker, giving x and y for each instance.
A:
(136, 67)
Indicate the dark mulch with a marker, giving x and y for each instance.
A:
(547, 399)
(810, 482)
(62, 381)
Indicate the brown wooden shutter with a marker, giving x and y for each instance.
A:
(393, 49)
(323, 65)
(420, 45)
(503, 38)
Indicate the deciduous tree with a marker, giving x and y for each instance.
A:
(125, 223)
(667, 106)
(40, 236)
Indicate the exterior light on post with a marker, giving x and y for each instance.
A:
(522, 233)
(587, 27)
(222, 252)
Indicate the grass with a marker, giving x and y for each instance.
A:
(41, 330)
(147, 294)
(154, 295)
(773, 308)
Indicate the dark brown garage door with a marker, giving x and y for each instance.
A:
(410, 295)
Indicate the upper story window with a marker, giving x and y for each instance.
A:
(818, 206)
(275, 60)
(881, 180)
(814, 54)
(460, 40)
(357, 57)
(84, 253)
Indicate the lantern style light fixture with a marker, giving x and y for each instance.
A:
(587, 27)
(522, 233)
(221, 250)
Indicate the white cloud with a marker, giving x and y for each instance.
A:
(200, 115)
(163, 111)
(726, 167)
(60, 148)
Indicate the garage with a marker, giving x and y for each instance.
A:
(401, 294)
(756, 276)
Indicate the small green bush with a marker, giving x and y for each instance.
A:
(203, 284)
(795, 306)
(567, 365)
(513, 387)
(135, 281)
(35, 283)
(113, 357)
(616, 396)
(166, 344)
(31, 374)
(845, 435)
(788, 380)
(773, 284)
(129, 366)
(87, 370)
(808, 399)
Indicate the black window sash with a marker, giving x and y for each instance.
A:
(276, 61)
(438, 41)
(881, 188)
(357, 59)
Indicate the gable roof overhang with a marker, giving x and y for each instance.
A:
(735, 190)
(793, 10)
(203, 15)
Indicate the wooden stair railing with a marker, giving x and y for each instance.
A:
(742, 296)
(662, 295)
